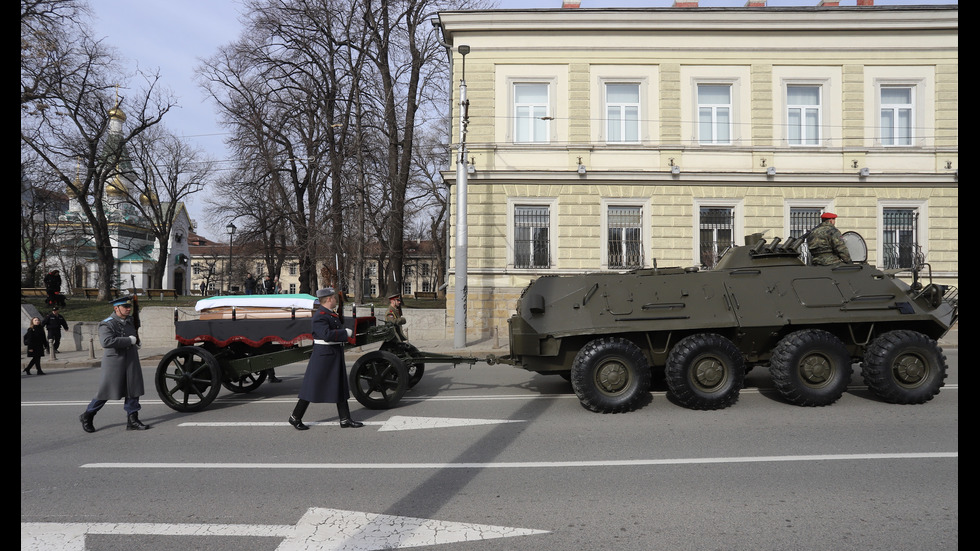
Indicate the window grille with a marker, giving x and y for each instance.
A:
(716, 231)
(531, 245)
(801, 221)
(625, 246)
(900, 247)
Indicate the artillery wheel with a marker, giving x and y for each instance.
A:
(188, 378)
(246, 383)
(705, 371)
(811, 367)
(610, 375)
(378, 379)
(904, 367)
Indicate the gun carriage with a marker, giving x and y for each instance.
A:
(237, 339)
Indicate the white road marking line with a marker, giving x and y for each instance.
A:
(531, 464)
(397, 422)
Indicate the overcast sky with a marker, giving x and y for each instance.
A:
(173, 35)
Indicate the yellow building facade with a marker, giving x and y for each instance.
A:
(609, 139)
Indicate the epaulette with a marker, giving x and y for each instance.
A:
(107, 319)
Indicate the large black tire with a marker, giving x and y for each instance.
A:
(610, 375)
(246, 383)
(811, 367)
(378, 379)
(188, 378)
(705, 371)
(904, 367)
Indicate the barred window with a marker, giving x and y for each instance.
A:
(716, 227)
(900, 237)
(625, 237)
(531, 244)
(801, 221)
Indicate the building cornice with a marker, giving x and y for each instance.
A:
(701, 20)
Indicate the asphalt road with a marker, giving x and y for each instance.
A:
(488, 458)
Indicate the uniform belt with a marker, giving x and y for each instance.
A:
(318, 341)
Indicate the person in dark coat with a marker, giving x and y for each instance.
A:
(250, 284)
(54, 322)
(52, 285)
(325, 380)
(36, 345)
(269, 286)
(122, 376)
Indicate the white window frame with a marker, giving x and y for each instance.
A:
(606, 204)
(895, 109)
(923, 81)
(803, 110)
(546, 109)
(715, 110)
(623, 119)
(738, 229)
(552, 204)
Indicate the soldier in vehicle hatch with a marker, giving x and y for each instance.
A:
(827, 247)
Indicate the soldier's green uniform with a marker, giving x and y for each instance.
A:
(826, 245)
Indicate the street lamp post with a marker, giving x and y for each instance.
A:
(459, 320)
(231, 238)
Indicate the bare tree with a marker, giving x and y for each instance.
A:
(168, 171)
(66, 123)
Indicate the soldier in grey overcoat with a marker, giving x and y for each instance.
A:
(122, 375)
(325, 380)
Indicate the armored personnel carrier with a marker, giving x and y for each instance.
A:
(611, 334)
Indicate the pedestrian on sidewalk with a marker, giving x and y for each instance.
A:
(122, 376)
(325, 380)
(53, 323)
(36, 345)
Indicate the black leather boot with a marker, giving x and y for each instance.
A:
(86, 419)
(133, 422)
(297, 423)
(273, 378)
(343, 411)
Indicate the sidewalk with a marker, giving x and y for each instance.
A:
(150, 356)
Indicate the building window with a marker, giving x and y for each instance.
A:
(801, 221)
(530, 112)
(716, 232)
(625, 237)
(196, 269)
(532, 224)
(900, 248)
(897, 115)
(292, 269)
(426, 287)
(407, 288)
(715, 114)
(425, 270)
(374, 289)
(623, 113)
(803, 115)
(372, 269)
(292, 288)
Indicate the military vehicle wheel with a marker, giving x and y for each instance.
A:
(904, 367)
(245, 383)
(378, 379)
(811, 367)
(188, 378)
(610, 375)
(705, 371)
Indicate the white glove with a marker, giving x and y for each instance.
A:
(349, 332)
(132, 339)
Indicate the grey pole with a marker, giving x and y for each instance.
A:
(459, 319)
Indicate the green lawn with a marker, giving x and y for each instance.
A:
(90, 309)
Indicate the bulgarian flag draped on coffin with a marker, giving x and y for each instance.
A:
(250, 319)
